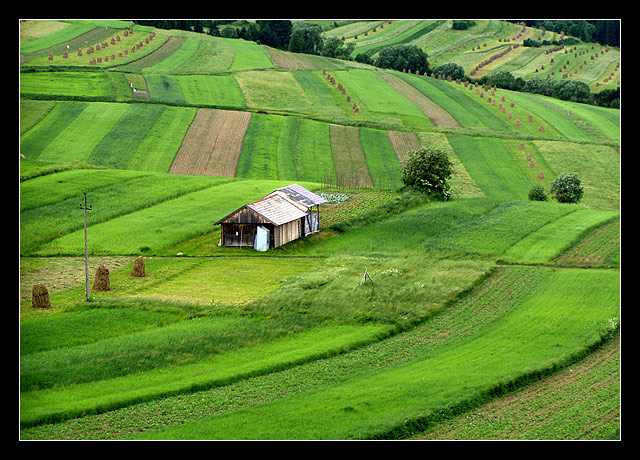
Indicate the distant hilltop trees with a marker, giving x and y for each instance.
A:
(604, 32)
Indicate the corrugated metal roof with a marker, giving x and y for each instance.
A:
(302, 195)
(277, 209)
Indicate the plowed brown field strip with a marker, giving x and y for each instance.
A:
(348, 157)
(403, 143)
(213, 144)
(438, 116)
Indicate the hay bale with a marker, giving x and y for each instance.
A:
(138, 268)
(40, 296)
(101, 280)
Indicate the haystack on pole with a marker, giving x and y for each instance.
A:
(86, 246)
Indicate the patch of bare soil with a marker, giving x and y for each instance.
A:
(213, 143)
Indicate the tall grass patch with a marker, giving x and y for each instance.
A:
(248, 359)
(400, 291)
(597, 166)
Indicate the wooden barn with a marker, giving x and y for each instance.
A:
(284, 215)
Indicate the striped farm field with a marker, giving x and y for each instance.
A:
(403, 143)
(81, 131)
(502, 354)
(551, 240)
(213, 144)
(378, 98)
(438, 116)
(348, 157)
(481, 316)
(96, 85)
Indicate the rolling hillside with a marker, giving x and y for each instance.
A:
(471, 299)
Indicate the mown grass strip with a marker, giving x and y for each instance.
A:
(163, 140)
(62, 403)
(566, 321)
(114, 195)
(381, 158)
(90, 85)
(552, 239)
(496, 232)
(480, 168)
(36, 140)
(212, 91)
(116, 147)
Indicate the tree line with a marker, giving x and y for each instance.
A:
(603, 31)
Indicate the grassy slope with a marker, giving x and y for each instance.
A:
(454, 233)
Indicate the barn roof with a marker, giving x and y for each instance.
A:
(277, 209)
(274, 208)
(302, 195)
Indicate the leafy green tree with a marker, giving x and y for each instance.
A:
(306, 38)
(403, 57)
(450, 69)
(567, 188)
(335, 48)
(428, 170)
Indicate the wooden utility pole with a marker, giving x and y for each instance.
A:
(86, 247)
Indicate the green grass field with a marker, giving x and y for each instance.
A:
(468, 304)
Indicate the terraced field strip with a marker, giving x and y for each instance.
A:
(71, 401)
(298, 61)
(491, 166)
(438, 116)
(163, 52)
(167, 223)
(403, 143)
(553, 238)
(600, 246)
(395, 401)
(348, 157)
(581, 403)
(381, 158)
(172, 59)
(213, 144)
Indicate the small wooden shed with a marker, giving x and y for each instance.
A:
(282, 216)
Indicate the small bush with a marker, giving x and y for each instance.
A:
(567, 188)
(537, 194)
